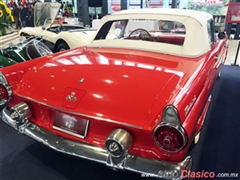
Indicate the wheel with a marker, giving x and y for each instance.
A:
(62, 47)
(37, 49)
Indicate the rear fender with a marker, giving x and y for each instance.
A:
(14, 74)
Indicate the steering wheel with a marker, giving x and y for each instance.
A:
(143, 34)
(59, 28)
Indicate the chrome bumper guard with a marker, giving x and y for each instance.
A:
(147, 167)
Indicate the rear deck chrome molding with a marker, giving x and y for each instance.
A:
(83, 115)
(130, 162)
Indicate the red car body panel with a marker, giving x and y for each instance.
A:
(106, 91)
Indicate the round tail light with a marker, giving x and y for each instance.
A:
(169, 138)
(3, 94)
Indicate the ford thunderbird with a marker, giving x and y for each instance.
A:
(134, 100)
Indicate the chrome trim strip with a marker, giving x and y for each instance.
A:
(150, 167)
(79, 114)
(189, 106)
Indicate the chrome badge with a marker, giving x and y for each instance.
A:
(113, 147)
(69, 124)
(81, 80)
(72, 97)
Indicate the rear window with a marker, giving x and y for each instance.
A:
(158, 31)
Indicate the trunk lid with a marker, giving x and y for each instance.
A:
(119, 85)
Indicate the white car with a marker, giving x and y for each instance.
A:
(55, 35)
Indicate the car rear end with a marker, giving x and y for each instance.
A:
(157, 149)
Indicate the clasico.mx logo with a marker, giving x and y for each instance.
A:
(173, 174)
(199, 174)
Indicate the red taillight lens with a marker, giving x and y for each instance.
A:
(3, 93)
(170, 138)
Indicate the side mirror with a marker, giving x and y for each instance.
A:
(221, 35)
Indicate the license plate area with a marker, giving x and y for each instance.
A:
(70, 124)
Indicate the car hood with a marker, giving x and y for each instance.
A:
(119, 85)
(45, 11)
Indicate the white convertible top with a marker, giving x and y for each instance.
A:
(196, 41)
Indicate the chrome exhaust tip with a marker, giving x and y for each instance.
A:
(20, 112)
(118, 143)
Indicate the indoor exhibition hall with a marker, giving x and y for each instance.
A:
(119, 89)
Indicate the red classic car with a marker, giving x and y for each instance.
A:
(134, 99)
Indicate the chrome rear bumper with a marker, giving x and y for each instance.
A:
(147, 167)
